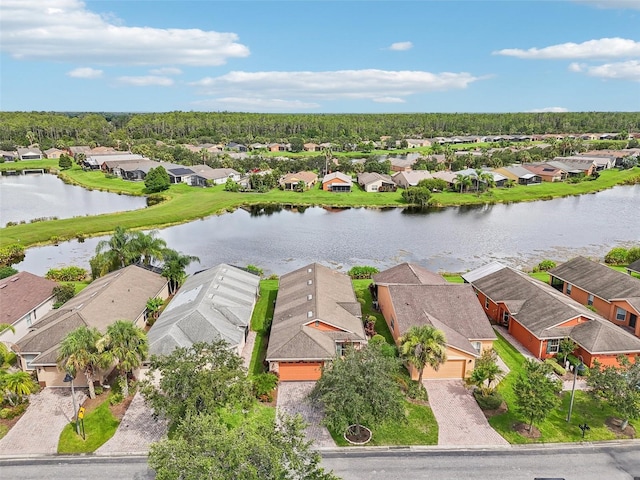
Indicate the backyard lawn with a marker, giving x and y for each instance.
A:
(260, 324)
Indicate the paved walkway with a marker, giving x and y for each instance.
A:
(38, 431)
(247, 350)
(292, 399)
(137, 430)
(460, 419)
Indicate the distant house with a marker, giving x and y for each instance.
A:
(120, 295)
(24, 299)
(411, 178)
(634, 267)
(376, 182)
(108, 163)
(77, 149)
(290, 181)
(311, 147)
(520, 175)
(574, 166)
(417, 143)
(548, 173)
(613, 294)
(180, 174)
(214, 304)
(29, 153)
(539, 317)
(8, 156)
(54, 152)
(134, 170)
(204, 175)
(447, 176)
(317, 316)
(409, 295)
(400, 164)
(277, 147)
(337, 182)
(236, 147)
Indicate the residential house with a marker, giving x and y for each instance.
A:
(409, 295)
(204, 175)
(402, 164)
(539, 317)
(8, 156)
(613, 294)
(574, 166)
(119, 295)
(337, 182)
(446, 175)
(418, 142)
(634, 267)
(290, 181)
(311, 147)
(136, 170)
(548, 173)
(102, 150)
(214, 304)
(411, 178)
(29, 153)
(376, 182)
(109, 163)
(236, 147)
(519, 174)
(77, 149)
(24, 299)
(54, 152)
(258, 146)
(317, 316)
(180, 174)
(277, 147)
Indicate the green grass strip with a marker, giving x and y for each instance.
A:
(99, 425)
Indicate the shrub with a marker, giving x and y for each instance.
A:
(616, 256)
(488, 402)
(115, 398)
(362, 272)
(98, 390)
(633, 254)
(66, 274)
(574, 361)
(557, 368)
(387, 349)
(7, 272)
(155, 199)
(273, 276)
(253, 269)
(544, 266)
(416, 391)
(63, 293)
(263, 386)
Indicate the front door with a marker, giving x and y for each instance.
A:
(632, 320)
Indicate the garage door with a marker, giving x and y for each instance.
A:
(450, 369)
(299, 371)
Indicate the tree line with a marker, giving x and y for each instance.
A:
(54, 129)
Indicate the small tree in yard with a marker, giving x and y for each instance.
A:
(536, 392)
(619, 386)
(157, 180)
(359, 389)
(486, 372)
(566, 347)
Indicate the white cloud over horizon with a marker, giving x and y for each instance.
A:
(591, 49)
(401, 46)
(612, 4)
(66, 30)
(549, 110)
(85, 72)
(376, 85)
(165, 71)
(254, 104)
(146, 81)
(629, 70)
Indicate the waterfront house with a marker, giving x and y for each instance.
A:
(411, 178)
(29, 153)
(376, 182)
(54, 152)
(337, 182)
(290, 181)
(204, 175)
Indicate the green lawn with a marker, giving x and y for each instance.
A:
(99, 425)
(555, 428)
(3, 430)
(262, 311)
(361, 288)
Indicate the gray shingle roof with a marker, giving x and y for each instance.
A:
(312, 293)
(211, 305)
(21, 293)
(452, 308)
(408, 274)
(634, 266)
(598, 279)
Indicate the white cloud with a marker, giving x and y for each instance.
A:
(610, 4)
(166, 71)
(602, 48)
(401, 46)
(389, 100)
(332, 85)
(629, 70)
(85, 72)
(549, 109)
(66, 30)
(576, 67)
(146, 81)
(255, 104)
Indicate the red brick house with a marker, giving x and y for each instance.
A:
(337, 182)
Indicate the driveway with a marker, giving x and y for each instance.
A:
(292, 399)
(460, 419)
(137, 430)
(38, 431)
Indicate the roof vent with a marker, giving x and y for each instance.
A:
(3, 285)
(309, 297)
(309, 270)
(309, 314)
(15, 279)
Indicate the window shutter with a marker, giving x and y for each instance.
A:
(548, 346)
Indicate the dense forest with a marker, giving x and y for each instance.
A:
(50, 129)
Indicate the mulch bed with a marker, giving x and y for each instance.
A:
(523, 429)
(117, 411)
(498, 411)
(362, 437)
(613, 424)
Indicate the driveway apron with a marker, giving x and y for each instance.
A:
(38, 431)
(460, 419)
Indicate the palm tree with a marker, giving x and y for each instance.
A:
(153, 307)
(463, 181)
(174, 267)
(127, 345)
(424, 345)
(147, 247)
(17, 385)
(116, 250)
(487, 179)
(79, 352)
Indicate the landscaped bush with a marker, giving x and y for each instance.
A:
(616, 256)
(387, 349)
(544, 266)
(557, 368)
(115, 398)
(575, 361)
(253, 269)
(488, 402)
(13, 412)
(155, 199)
(263, 386)
(362, 272)
(66, 274)
(62, 294)
(416, 391)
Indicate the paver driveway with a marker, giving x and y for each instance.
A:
(292, 399)
(460, 419)
(38, 431)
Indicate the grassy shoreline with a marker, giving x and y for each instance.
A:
(185, 203)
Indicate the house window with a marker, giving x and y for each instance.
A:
(340, 348)
(590, 299)
(392, 324)
(477, 346)
(568, 289)
(505, 317)
(486, 303)
(552, 345)
(309, 314)
(621, 314)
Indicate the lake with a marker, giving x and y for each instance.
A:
(453, 239)
(27, 197)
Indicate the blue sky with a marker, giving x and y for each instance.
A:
(320, 56)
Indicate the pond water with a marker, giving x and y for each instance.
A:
(453, 239)
(27, 197)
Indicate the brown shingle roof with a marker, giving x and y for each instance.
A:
(408, 274)
(21, 293)
(598, 279)
(313, 293)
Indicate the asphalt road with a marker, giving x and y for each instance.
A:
(619, 462)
